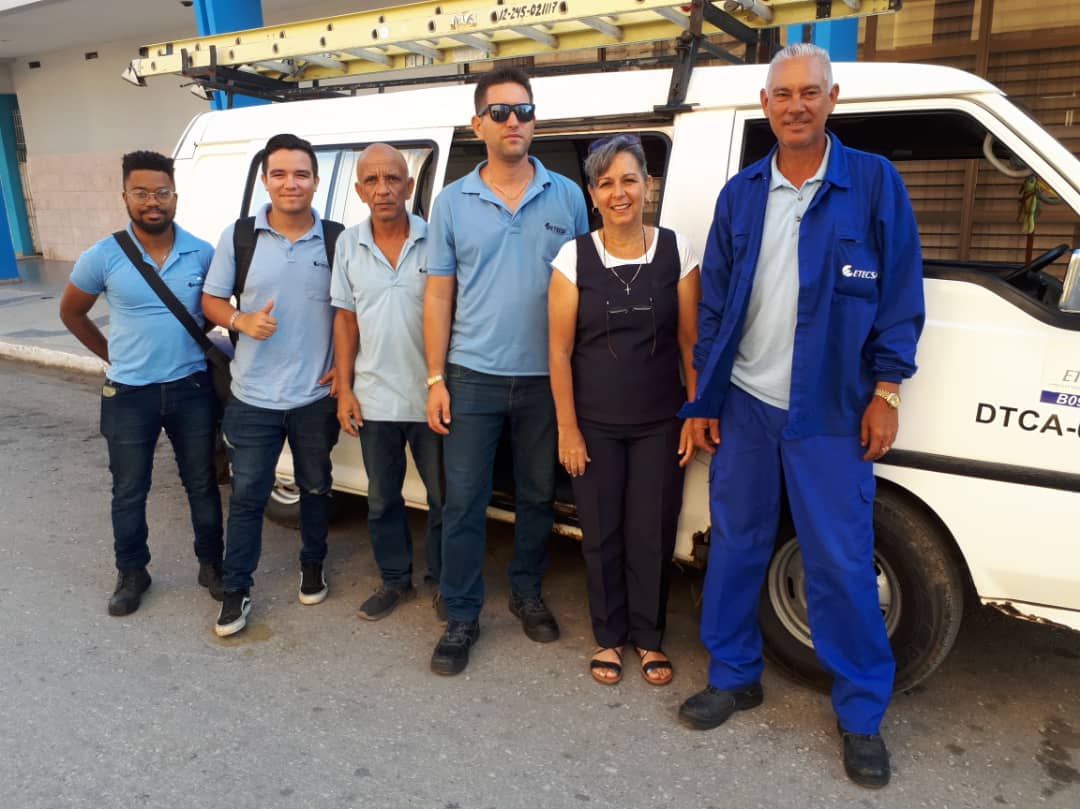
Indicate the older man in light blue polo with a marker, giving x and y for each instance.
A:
(377, 290)
(493, 235)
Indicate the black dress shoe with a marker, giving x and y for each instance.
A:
(451, 654)
(866, 761)
(536, 619)
(130, 585)
(210, 578)
(712, 707)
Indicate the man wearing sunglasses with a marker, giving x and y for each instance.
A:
(157, 375)
(492, 237)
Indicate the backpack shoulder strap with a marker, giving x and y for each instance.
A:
(243, 251)
(331, 230)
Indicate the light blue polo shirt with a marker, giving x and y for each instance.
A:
(147, 344)
(389, 306)
(281, 372)
(502, 262)
(763, 361)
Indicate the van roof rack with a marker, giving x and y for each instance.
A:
(375, 49)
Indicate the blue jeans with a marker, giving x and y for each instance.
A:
(382, 444)
(479, 406)
(131, 421)
(254, 437)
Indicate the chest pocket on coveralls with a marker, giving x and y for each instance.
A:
(856, 266)
(317, 281)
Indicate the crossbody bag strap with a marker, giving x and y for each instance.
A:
(179, 311)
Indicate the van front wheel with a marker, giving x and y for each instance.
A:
(920, 591)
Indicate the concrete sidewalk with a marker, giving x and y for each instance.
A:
(30, 327)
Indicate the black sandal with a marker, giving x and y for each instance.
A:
(596, 665)
(655, 665)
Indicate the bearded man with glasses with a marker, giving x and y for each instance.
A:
(492, 237)
(157, 375)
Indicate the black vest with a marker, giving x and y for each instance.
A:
(626, 348)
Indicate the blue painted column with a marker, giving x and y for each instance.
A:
(8, 268)
(221, 17)
(839, 37)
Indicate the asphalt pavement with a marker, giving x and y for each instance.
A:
(313, 707)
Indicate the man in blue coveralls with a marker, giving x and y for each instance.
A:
(812, 305)
(492, 237)
(157, 374)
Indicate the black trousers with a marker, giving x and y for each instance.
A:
(628, 502)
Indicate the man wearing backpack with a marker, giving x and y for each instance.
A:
(277, 265)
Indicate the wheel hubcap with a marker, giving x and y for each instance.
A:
(786, 583)
(285, 492)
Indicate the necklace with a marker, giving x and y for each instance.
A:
(506, 194)
(626, 284)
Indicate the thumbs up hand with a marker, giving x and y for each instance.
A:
(258, 325)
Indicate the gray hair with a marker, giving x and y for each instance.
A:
(803, 49)
(602, 153)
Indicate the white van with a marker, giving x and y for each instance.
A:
(976, 496)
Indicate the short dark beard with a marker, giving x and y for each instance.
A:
(153, 228)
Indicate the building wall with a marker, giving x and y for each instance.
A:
(79, 118)
(7, 86)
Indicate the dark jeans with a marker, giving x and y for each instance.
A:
(254, 437)
(131, 421)
(480, 404)
(382, 444)
(628, 501)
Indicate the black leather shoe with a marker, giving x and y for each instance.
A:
(712, 707)
(451, 654)
(130, 585)
(210, 578)
(866, 761)
(536, 619)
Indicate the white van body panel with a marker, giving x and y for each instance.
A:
(979, 350)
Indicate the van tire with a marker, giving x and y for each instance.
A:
(919, 582)
(283, 507)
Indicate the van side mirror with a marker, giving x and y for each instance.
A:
(1070, 293)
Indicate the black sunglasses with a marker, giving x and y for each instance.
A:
(500, 113)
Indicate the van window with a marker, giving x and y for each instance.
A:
(967, 205)
(967, 209)
(565, 154)
(336, 197)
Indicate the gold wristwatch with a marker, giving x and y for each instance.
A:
(892, 399)
(431, 380)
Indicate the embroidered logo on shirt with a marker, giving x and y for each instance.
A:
(848, 272)
(197, 281)
(556, 228)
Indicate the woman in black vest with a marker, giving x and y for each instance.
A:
(622, 310)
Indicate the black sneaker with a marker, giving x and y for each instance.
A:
(440, 606)
(866, 761)
(210, 578)
(712, 707)
(536, 619)
(313, 587)
(383, 601)
(451, 654)
(235, 608)
(130, 585)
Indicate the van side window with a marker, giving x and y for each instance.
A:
(336, 197)
(967, 204)
(565, 154)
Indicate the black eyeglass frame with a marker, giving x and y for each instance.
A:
(500, 113)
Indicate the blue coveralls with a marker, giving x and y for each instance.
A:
(860, 312)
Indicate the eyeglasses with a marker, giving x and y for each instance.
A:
(141, 195)
(622, 314)
(500, 113)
